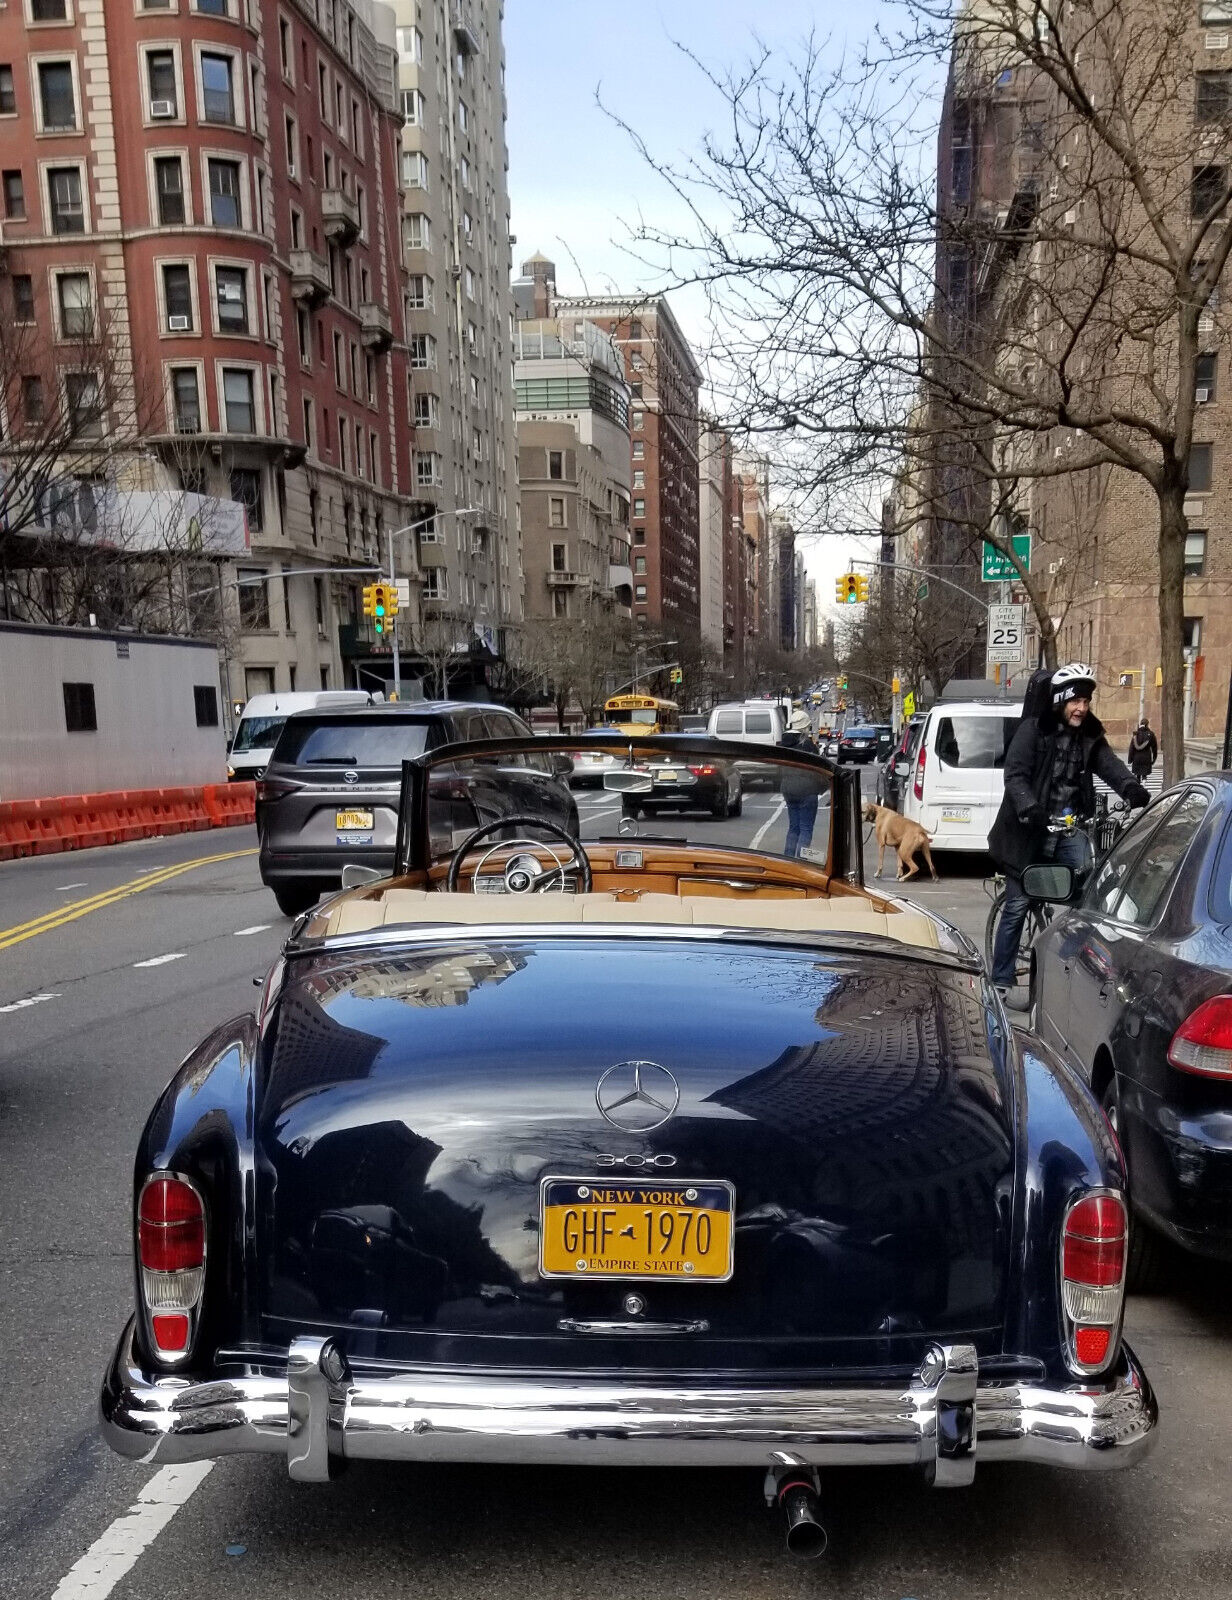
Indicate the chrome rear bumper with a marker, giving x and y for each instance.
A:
(316, 1410)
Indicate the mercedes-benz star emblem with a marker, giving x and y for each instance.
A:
(637, 1095)
(350, 777)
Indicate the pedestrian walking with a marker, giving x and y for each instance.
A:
(1143, 751)
(800, 790)
(1050, 769)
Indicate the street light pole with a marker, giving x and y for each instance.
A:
(394, 633)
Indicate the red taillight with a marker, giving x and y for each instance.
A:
(170, 1227)
(702, 772)
(171, 1332)
(1094, 1249)
(918, 784)
(1203, 1042)
(268, 789)
(1093, 1245)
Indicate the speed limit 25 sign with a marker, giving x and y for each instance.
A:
(1007, 634)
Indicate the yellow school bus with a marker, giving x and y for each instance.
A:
(642, 713)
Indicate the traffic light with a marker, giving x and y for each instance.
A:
(842, 683)
(846, 589)
(379, 611)
(391, 599)
(861, 583)
(370, 590)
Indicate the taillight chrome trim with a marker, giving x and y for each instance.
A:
(1111, 1315)
(187, 1292)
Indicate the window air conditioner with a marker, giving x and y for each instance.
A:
(162, 109)
(179, 324)
(1202, 396)
(1070, 217)
(1216, 41)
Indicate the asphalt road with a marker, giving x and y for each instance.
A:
(79, 1070)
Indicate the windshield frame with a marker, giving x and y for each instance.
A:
(413, 851)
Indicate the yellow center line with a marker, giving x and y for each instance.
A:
(98, 902)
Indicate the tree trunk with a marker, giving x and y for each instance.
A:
(1172, 530)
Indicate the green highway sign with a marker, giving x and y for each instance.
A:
(997, 568)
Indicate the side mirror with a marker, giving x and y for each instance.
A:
(902, 767)
(1050, 882)
(353, 874)
(625, 781)
(562, 765)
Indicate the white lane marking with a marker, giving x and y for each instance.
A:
(259, 927)
(118, 1550)
(63, 888)
(593, 816)
(766, 826)
(161, 961)
(30, 1000)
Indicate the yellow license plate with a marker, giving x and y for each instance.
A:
(594, 1228)
(354, 819)
(667, 775)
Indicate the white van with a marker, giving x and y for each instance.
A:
(954, 771)
(256, 733)
(758, 721)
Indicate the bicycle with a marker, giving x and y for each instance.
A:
(1107, 824)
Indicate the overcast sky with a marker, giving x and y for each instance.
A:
(576, 183)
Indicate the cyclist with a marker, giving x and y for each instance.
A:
(1049, 771)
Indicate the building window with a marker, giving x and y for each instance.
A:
(85, 411)
(186, 398)
(464, 116)
(309, 430)
(177, 297)
(169, 189)
(1217, 12)
(1195, 552)
(80, 715)
(556, 511)
(56, 97)
(231, 289)
(246, 491)
(1191, 633)
(217, 91)
(64, 192)
(1214, 96)
(225, 193)
(558, 558)
(639, 564)
(205, 703)
(14, 194)
(556, 464)
(213, 8)
(1200, 468)
(160, 80)
(8, 91)
(76, 305)
(410, 44)
(425, 411)
(560, 603)
(254, 597)
(32, 409)
(635, 328)
(23, 297)
(639, 508)
(1208, 190)
(638, 420)
(412, 108)
(436, 583)
(639, 450)
(639, 479)
(238, 400)
(639, 592)
(1204, 379)
(419, 292)
(415, 232)
(422, 351)
(414, 170)
(427, 468)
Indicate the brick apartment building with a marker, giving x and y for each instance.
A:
(214, 184)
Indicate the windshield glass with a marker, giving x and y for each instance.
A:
(257, 733)
(646, 718)
(679, 791)
(341, 742)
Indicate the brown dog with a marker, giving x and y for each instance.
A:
(903, 836)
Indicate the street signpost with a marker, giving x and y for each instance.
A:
(1007, 636)
(998, 568)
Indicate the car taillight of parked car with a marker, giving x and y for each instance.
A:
(274, 789)
(1203, 1042)
(171, 1250)
(1093, 1249)
(703, 772)
(918, 784)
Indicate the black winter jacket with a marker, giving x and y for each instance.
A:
(1028, 771)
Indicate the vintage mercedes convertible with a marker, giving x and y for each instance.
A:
(668, 1144)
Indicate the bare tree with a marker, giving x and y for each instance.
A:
(1058, 334)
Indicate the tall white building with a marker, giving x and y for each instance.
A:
(712, 518)
(457, 250)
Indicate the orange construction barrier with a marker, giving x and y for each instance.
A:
(81, 821)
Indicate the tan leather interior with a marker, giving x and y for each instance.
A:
(397, 906)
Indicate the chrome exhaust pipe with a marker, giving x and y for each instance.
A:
(795, 1488)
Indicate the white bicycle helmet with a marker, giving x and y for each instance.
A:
(1071, 681)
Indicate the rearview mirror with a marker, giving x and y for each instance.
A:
(1050, 881)
(625, 781)
(562, 765)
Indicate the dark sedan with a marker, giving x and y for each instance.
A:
(689, 784)
(863, 745)
(1133, 983)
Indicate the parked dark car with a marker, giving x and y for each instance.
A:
(329, 796)
(894, 768)
(690, 784)
(1133, 983)
(672, 1152)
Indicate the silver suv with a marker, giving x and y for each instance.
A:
(329, 796)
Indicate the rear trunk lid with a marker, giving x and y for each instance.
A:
(415, 1102)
